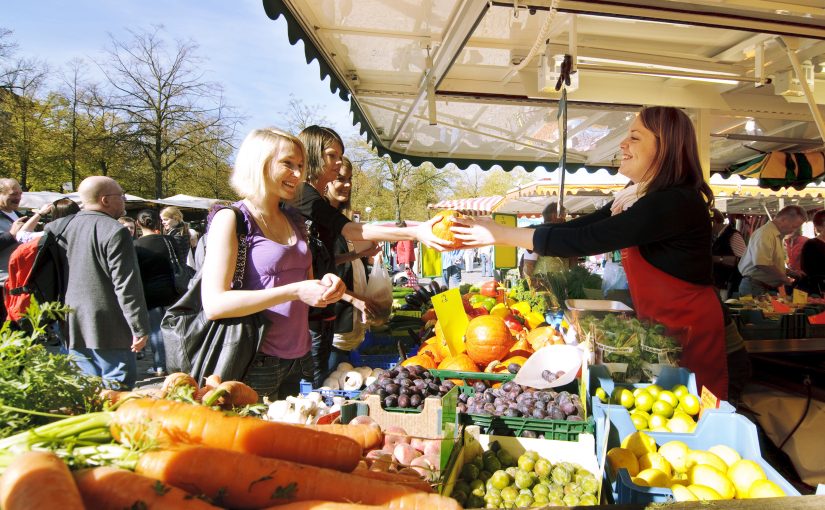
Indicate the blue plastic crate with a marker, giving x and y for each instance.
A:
(305, 388)
(733, 430)
(385, 361)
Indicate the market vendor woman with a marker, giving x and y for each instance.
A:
(661, 222)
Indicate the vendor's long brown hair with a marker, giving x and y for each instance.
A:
(677, 155)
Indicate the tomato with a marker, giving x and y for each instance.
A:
(513, 323)
(489, 289)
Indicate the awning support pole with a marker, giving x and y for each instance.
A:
(791, 44)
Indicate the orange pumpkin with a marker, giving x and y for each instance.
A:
(521, 348)
(488, 339)
(422, 360)
(458, 363)
(430, 350)
(539, 337)
(442, 227)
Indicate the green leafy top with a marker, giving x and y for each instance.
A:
(32, 378)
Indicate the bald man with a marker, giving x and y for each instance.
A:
(109, 322)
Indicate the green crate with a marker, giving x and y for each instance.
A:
(560, 430)
(471, 376)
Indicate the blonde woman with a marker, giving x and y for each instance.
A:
(269, 171)
(176, 228)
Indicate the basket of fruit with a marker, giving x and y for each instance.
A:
(517, 410)
(509, 472)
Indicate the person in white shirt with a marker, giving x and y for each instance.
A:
(763, 266)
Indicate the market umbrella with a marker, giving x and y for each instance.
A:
(776, 170)
(37, 199)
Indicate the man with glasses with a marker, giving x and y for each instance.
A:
(109, 321)
(10, 223)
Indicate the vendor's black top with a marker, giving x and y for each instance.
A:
(156, 270)
(671, 227)
(324, 225)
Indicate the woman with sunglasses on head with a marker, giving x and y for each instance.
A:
(325, 153)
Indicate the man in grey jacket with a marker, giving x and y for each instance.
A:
(109, 321)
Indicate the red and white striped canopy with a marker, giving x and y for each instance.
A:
(478, 206)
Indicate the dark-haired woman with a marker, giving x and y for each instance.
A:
(325, 153)
(661, 222)
(154, 253)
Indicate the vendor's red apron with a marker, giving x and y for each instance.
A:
(692, 313)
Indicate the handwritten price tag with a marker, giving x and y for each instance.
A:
(707, 400)
(450, 312)
(800, 297)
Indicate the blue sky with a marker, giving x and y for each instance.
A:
(243, 49)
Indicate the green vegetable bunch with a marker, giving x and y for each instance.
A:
(617, 332)
(538, 300)
(32, 379)
(569, 284)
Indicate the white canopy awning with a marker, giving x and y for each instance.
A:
(478, 206)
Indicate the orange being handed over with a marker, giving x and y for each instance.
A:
(442, 227)
(488, 339)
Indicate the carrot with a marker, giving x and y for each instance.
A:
(114, 396)
(367, 436)
(39, 480)
(175, 380)
(108, 488)
(241, 480)
(210, 384)
(422, 501)
(231, 394)
(414, 482)
(185, 423)
(418, 501)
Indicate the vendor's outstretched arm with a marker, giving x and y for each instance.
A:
(485, 231)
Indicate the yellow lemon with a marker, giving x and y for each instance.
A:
(654, 477)
(601, 394)
(639, 420)
(639, 443)
(658, 423)
(669, 397)
(638, 391)
(654, 389)
(703, 493)
(622, 458)
(707, 458)
(702, 474)
(656, 461)
(676, 453)
(681, 479)
(639, 481)
(680, 390)
(743, 473)
(689, 404)
(726, 453)
(662, 408)
(765, 489)
(622, 396)
(681, 423)
(681, 493)
(644, 401)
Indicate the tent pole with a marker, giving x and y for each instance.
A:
(562, 119)
(791, 44)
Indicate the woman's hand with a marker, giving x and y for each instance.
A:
(335, 287)
(46, 209)
(424, 234)
(477, 232)
(316, 292)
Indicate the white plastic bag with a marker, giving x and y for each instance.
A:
(379, 291)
